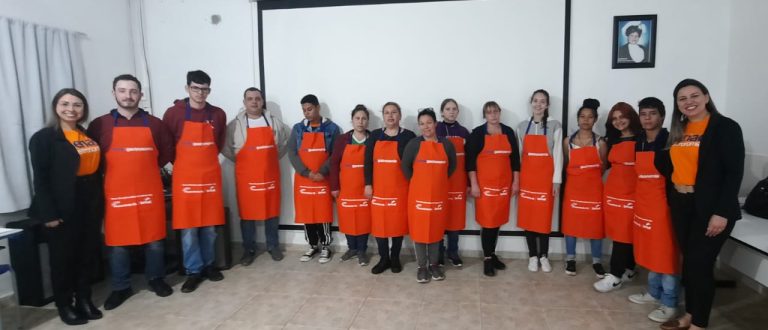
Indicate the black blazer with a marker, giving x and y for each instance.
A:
(720, 169)
(55, 163)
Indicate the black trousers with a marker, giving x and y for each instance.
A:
(699, 255)
(622, 258)
(74, 246)
(488, 238)
(538, 244)
(318, 233)
(387, 253)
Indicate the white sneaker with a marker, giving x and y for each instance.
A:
(545, 266)
(533, 264)
(325, 255)
(628, 276)
(608, 283)
(663, 314)
(307, 256)
(643, 298)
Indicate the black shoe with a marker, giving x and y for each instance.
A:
(497, 263)
(599, 270)
(488, 268)
(381, 266)
(117, 298)
(86, 308)
(456, 261)
(570, 267)
(247, 258)
(192, 282)
(69, 316)
(396, 266)
(276, 254)
(160, 288)
(212, 274)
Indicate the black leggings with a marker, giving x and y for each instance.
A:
(384, 250)
(538, 244)
(699, 255)
(622, 258)
(489, 237)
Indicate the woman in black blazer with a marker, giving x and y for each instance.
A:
(69, 201)
(705, 164)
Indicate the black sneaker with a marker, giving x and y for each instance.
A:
(276, 254)
(599, 270)
(311, 253)
(422, 275)
(362, 258)
(455, 261)
(438, 274)
(350, 254)
(381, 266)
(396, 266)
(497, 263)
(192, 282)
(160, 288)
(570, 267)
(116, 298)
(247, 258)
(488, 268)
(212, 274)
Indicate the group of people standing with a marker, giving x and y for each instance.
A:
(665, 193)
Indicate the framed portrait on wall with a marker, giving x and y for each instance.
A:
(634, 41)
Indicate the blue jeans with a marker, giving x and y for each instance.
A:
(664, 287)
(120, 264)
(358, 243)
(596, 249)
(248, 229)
(453, 243)
(199, 246)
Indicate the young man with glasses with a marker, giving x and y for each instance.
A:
(199, 131)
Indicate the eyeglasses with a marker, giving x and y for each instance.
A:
(200, 90)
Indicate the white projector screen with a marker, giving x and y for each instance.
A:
(416, 54)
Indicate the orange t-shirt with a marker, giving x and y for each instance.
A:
(89, 151)
(685, 154)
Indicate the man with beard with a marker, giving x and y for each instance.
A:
(135, 145)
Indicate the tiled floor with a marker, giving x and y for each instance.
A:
(294, 295)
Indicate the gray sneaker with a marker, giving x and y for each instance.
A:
(438, 274)
(422, 276)
(350, 254)
(325, 255)
(363, 259)
(307, 256)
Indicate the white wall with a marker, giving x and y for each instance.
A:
(107, 50)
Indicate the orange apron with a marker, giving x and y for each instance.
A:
(257, 176)
(428, 193)
(494, 176)
(312, 200)
(654, 236)
(534, 205)
(457, 189)
(583, 199)
(133, 190)
(197, 199)
(352, 207)
(389, 215)
(619, 201)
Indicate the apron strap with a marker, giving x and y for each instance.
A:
(529, 127)
(247, 125)
(144, 118)
(188, 111)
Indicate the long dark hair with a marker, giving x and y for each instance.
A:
(680, 121)
(546, 111)
(611, 133)
(53, 121)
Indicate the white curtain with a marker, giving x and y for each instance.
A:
(35, 62)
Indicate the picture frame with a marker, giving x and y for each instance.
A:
(634, 41)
